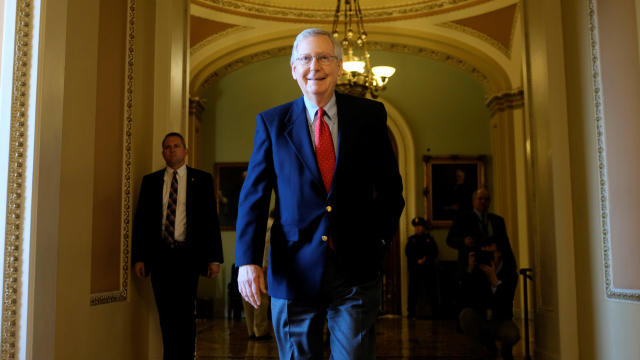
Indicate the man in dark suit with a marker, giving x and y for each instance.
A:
(329, 160)
(176, 238)
(471, 227)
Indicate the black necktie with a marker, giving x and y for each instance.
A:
(170, 220)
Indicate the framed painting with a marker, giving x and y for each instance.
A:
(228, 179)
(449, 183)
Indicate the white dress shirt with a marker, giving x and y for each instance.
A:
(181, 206)
(331, 118)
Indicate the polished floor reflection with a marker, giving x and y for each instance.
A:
(397, 338)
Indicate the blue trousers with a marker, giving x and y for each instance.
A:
(350, 311)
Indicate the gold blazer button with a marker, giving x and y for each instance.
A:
(329, 208)
(325, 238)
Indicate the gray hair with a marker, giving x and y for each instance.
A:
(337, 48)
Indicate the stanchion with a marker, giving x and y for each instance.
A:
(525, 275)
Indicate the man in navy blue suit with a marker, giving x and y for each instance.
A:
(329, 160)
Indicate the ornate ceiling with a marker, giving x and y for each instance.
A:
(495, 26)
(479, 32)
(322, 10)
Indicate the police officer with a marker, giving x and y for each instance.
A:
(421, 252)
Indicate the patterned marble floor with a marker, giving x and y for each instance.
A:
(397, 338)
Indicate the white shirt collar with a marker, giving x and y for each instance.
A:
(480, 215)
(182, 170)
(331, 109)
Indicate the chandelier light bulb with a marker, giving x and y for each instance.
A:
(353, 66)
(383, 71)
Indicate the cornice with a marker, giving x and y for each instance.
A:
(240, 63)
(216, 37)
(373, 45)
(420, 8)
(479, 35)
(505, 101)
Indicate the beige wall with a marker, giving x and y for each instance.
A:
(104, 331)
(64, 325)
(170, 71)
(549, 196)
(638, 25)
(574, 318)
(607, 326)
(620, 75)
(108, 147)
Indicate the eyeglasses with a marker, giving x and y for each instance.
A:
(323, 59)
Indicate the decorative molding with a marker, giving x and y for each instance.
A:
(196, 107)
(14, 241)
(378, 46)
(240, 63)
(477, 34)
(509, 100)
(611, 291)
(486, 38)
(436, 55)
(411, 10)
(215, 37)
(121, 295)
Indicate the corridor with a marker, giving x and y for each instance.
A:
(398, 338)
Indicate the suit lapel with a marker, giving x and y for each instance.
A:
(158, 189)
(297, 133)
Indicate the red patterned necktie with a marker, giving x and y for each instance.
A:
(170, 219)
(325, 154)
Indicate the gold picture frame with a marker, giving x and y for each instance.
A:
(449, 183)
(229, 177)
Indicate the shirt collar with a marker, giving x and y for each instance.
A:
(480, 215)
(331, 109)
(181, 170)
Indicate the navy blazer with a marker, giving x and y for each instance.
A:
(360, 213)
(202, 229)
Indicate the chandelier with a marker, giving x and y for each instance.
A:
(358, 76)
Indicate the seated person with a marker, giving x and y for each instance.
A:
(487, 290)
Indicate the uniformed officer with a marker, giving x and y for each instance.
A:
(422, 253)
